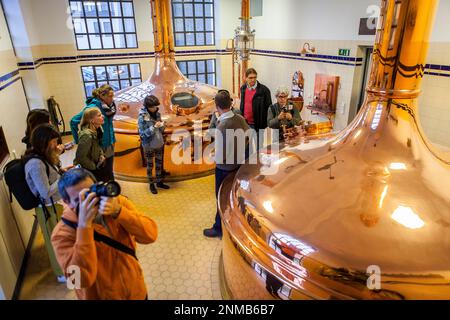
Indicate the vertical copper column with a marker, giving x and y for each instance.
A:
(245, 25)
(162, 26)
(401, 47)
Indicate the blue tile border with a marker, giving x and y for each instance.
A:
(9, 75)
(110, 56)
(9, 83)
(338, 60)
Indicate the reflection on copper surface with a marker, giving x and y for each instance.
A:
(374, 194)
(407, 217)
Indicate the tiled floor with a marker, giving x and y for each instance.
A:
(181, 264)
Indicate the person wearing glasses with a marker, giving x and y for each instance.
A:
(282, 115)
(255, 102)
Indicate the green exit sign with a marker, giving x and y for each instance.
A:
(344, 52)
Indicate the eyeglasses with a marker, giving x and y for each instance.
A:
(282, 97)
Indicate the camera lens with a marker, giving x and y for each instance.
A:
(112, 189)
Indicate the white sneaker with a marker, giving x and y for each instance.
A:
(61, 279)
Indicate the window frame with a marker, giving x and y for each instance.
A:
(206, 73)
(108, 80)
(194, 18)
(84, 18)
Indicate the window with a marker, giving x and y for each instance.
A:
(193, 22)
(118, 76)
(104, 24)
(199, 70)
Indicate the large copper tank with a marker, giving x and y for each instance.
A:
(168, 84)
(364, 214)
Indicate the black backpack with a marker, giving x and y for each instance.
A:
(14, 173)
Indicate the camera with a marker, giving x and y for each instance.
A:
(287, 108)
(105, 189)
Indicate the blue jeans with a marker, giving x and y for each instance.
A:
(220, 177)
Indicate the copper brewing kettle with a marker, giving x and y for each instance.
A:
(373, 198)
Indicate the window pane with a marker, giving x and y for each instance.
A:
(76, 9)
(201, 66)
(123, 72)
(209, 38)
(124, 83)
(199, 25)
(190, 39)
(193, 77)
(95, 41)
(211, 79)
(102, 9)
(200, 39)
(188, 10)
(108, 41)
(199, 10)
(179, 39)
(131, 41)
(192, 67)
(82, 42)
(79, 25)
(89, 9)
(182, 67)
(88, 73)
(112, 72)
(209, 10)
(105, 26)
(177, 10)
(117, 25)
(179, 26)
(202, 78)
(100, 72)
(209, 24)
(92, 25)
(189, 24)
(100, 83)
(210, 65)
(89, 88)
(115, 85)
(119, 40)
(135, 70)
(129, 25)
(115, 9)
(135, 82)
(127, 9)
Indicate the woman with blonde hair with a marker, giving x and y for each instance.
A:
(103, 99)
(89, 152)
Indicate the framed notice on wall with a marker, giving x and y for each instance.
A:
(4, 151)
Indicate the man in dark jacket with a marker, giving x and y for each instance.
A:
(255, 101)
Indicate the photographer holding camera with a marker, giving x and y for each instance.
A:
(281, 114)
(95, 241)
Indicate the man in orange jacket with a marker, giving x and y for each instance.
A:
(99, 260)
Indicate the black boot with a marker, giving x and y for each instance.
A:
(162, 185)
(153, 188)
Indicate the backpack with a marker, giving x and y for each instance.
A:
(14, 172)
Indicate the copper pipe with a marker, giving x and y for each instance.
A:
(239, 80)
(162, 26)
(233, 80)
(401, 47)
(245, 24)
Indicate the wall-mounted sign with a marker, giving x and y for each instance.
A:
(344, 52)
(367, 26)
